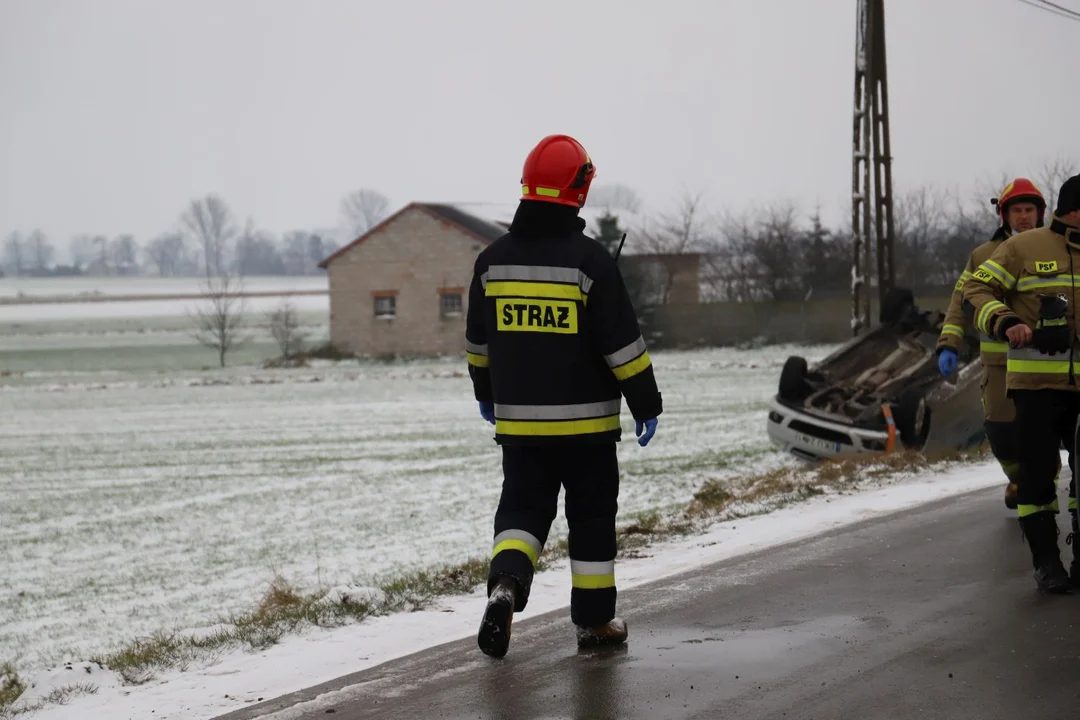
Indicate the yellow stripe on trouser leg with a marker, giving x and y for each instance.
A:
(520, 540)
(1025, 510)
(586, 575)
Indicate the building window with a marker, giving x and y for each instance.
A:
(450, 302)
(385, 304)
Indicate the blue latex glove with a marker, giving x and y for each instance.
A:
(487, 411)
(650, 429)
(946, 362)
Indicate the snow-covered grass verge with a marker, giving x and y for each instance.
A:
(140, 503)
(285, 616)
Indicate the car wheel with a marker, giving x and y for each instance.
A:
(793, 385)
(912, 418)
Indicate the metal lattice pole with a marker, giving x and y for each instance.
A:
(883, 205)
(870, 217)
(860, 207)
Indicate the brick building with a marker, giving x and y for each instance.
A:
(402, 288)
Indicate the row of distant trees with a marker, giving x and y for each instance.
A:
(208, 240)
(781, 253)
(778, 252)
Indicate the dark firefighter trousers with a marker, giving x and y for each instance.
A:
(532, 477)
(1045, 420)
(1005, 446)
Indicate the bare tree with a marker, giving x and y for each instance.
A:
(39, 252)
(219, 320)
(687, 229)
(15, 254)
(363, 210)
(81, 251)
(284, 324)
(295, 252)
(103, 254)
(614, 198)
(211, 223)
(1052, 176)
(125, 254)
(167, 253)
(987, 189)
(921, 223)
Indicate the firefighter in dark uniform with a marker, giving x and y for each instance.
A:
(553, 347)
(1026, 294)
(1020, 207)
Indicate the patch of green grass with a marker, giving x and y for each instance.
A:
(11, 686)
(133, 358)
(58, 696)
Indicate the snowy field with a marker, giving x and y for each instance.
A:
(138, 335)
(136, 502)
(239, 679)
(11, 287)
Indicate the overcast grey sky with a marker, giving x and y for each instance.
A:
(114, 113)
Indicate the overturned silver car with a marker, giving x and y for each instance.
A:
(880, 392)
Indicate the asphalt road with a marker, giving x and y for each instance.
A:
(925, 614)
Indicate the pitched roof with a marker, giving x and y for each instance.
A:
(476, 225)
(483, 230)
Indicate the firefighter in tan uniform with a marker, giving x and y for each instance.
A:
(1026, 294)
(1020, 207)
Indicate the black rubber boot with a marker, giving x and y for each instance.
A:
(1041, 531)
(494, 635)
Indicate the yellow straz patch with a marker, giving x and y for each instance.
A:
(551, 316)
(1046, 267)
(982, 275)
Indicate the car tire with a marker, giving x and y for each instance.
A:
(793, 385)
(912, 418)
(897, 304)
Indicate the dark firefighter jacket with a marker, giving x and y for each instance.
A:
(551, 336)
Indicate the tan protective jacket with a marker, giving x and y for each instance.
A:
(1042, 261)
(992, 352)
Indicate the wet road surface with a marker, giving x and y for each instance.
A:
(930, 613)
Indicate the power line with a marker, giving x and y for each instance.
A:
(1062, 8)
(1053, 8)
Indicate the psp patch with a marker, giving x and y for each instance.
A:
(549, 316)
(1046, 266)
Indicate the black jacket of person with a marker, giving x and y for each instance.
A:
(551, 335)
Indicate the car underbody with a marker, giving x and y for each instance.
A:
(880, 392)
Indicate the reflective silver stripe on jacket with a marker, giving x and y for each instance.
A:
(558, 412)
(475, 349)
(1030, 353)
(626, 354)
(538, 273)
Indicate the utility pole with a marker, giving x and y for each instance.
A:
(871, 187)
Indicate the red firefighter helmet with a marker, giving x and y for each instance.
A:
(557, 170)
(1020, 190)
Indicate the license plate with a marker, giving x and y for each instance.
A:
(817, 443)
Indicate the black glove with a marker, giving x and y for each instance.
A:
(1052, 333)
